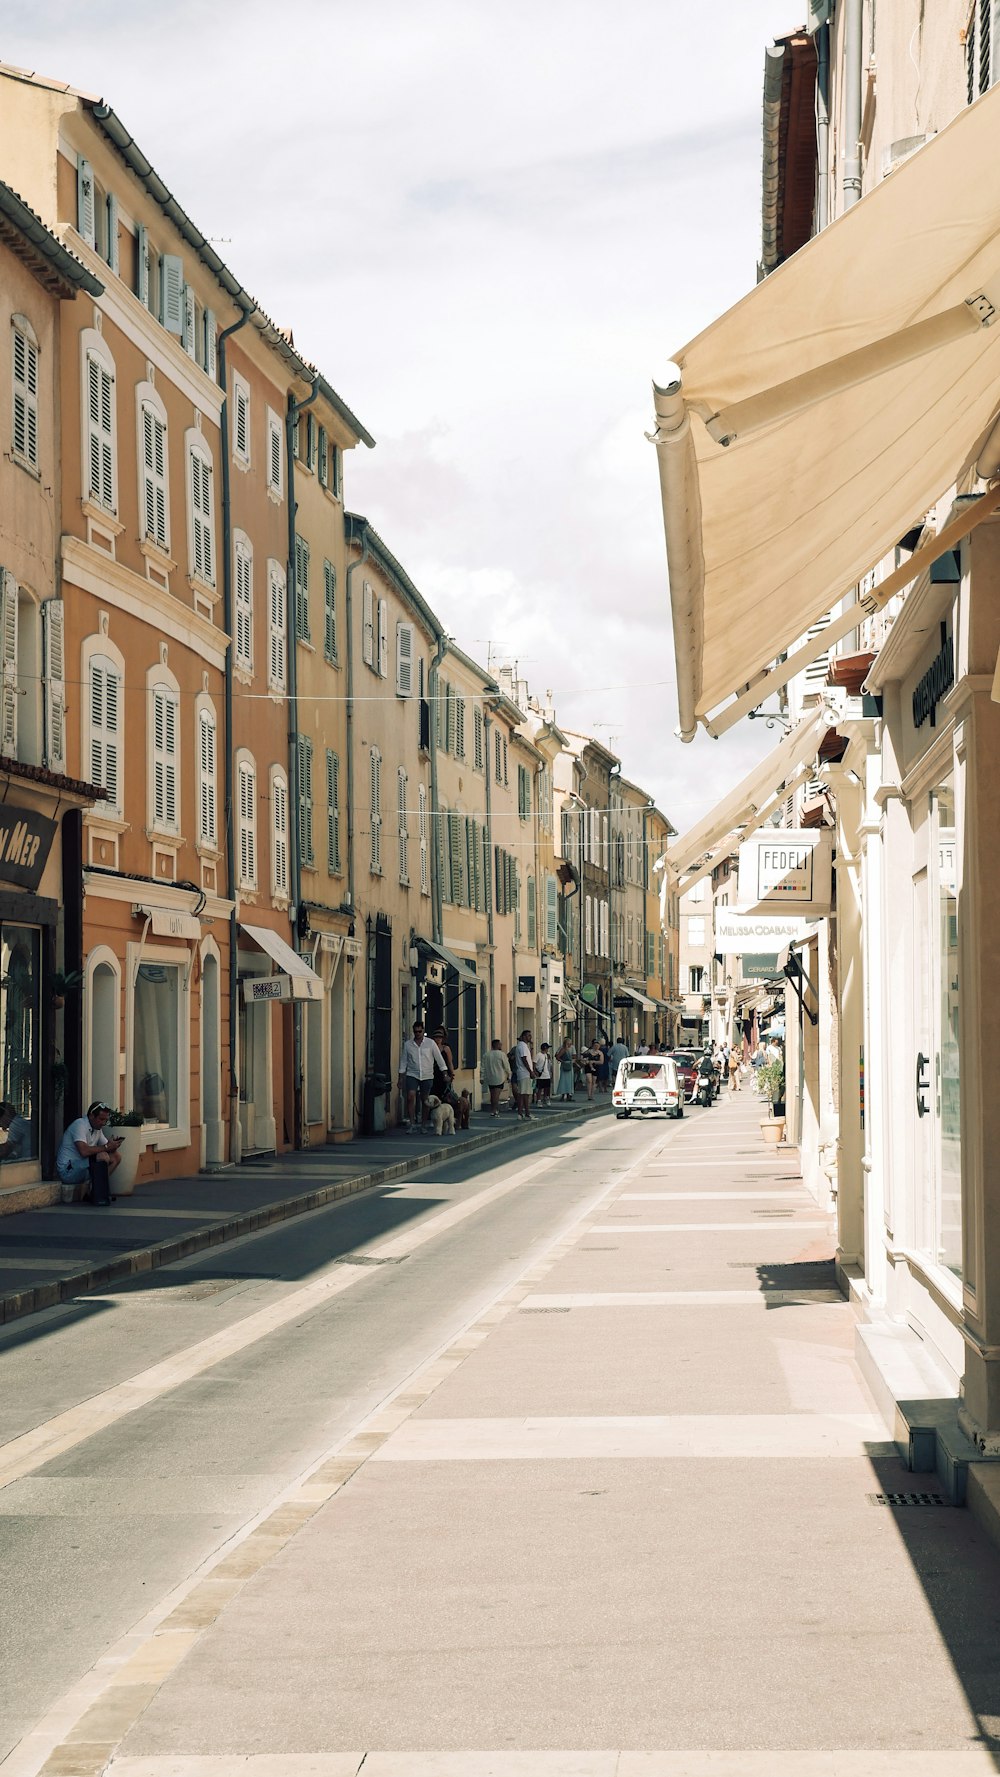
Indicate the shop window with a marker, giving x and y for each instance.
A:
(944, 1092)
(156, 1041)
(313, 1020)
(20, 1035)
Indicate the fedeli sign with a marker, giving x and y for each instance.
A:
(25, 842)
(786, 867)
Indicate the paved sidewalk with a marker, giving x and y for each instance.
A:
(635, 1510)
(64, 1250)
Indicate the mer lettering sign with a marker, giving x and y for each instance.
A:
(25, 842)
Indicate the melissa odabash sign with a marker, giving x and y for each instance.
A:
(754, 934)
(786, 867)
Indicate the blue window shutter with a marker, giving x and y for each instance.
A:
(172, 293)
(85, 212)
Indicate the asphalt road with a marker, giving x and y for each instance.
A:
(144, 1428)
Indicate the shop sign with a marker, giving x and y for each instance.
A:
(759, 966)
(742, 934)
(352, 946)
(25, 842)
(168, 924)
(936, 682)
(787, 867)
(257, 988)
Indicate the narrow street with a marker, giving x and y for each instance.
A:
(559, 1447)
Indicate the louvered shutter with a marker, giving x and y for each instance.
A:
(112, 212)
(8, 686)
(142, 263)
(401, 789)
(54, 668)
(279, 835)
(375, 811)
(25, 397)
(477, 729)
(105, 731)
(301, 588)
(202, 517)
(332, 813)
(383, 638)
(330, 612)
(172, 293)
(303, 747)
(551, 910)
(208, 327)
(189, 337)
(85, 205)
(441, 848)
(154, 476)
(244, 606)
(100, 432)
(274, 454)
(532, 916)
(276, 630)
(241, 422)
(207, 824)
(404, 659)
(247, 822)
(422, 837)
(368, 626)
(460, 727)
(472, 854)
(323, 458)
(164, 759)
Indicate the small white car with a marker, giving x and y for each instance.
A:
(649, 1085)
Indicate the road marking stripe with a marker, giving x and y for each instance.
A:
(771, 1226)
(974, 1761)
(635, 1437)
(682, 1298)
(710, 1197)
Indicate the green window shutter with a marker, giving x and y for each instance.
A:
(330, 612)
(532, 916)
(439, 819)
(303, 752)
(332, 813)
(323, 458)
(301, 588)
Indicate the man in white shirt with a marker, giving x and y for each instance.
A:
(87, 1152)
(417, 1063)
(525, 1077)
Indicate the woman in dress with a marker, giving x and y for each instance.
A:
(566, 1083)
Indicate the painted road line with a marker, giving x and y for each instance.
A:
(771, 1226)
(682, 1299)
(708, 1197)
(973, 1761)
(702, 1437)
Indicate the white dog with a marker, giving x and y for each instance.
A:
(442, 1116)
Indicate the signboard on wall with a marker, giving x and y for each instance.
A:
(786, 867)
(25, 842)
(742, 934)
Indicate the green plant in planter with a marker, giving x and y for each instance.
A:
(126, 1119)
(772, 1082)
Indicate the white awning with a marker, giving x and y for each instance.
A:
(305, 983)
(809, 427)
(639, 998)
(749, 805)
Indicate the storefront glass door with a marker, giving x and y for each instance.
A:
(20, 956)
(944, 997)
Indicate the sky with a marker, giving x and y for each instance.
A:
(491, 225)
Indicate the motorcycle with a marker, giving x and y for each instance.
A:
(704, 1089)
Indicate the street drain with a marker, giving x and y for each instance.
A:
(544, 1310)
(367, 1259)
(787, 1213)
(905, 1499)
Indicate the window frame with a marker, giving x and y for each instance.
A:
(201, 524)
(148, 400)
(94, 351)
(207, 799)
(21, 391)
(279, 833)
(246, 821)
(163, 762)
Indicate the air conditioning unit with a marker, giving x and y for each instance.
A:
(434, 975)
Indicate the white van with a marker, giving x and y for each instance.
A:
(649, 1085)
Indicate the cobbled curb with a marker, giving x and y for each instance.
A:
(166, 1252)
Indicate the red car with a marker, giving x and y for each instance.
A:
(687, 1067)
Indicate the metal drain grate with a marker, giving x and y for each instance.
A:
(905, 1499)
(780, 1213)
(544, 1310)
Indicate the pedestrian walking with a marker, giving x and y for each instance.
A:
(603, 1065)
(494, 1072)
(417, 1064)
(735, 1067)
(590, 1060)
(566, 1082)
(619, 1053)
(543, 1075)
(524, 1078)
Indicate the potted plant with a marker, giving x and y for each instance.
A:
(122, 1123)
(61, 984)
(771, 1082)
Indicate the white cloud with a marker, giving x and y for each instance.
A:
(491, 224)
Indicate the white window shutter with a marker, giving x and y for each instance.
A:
(422, 837)
(404, 659)
(401, 791)
(142, 263)
(375, 811)
(209, 324)
(276, 630)
(8, 658)
(25, 379)
(244, 606)
(100, 399)
(106, 731)
(383, 638)
(188, 335)
(274, 450)
(368, 626)
(207, 823)
(279, 835)
(85, 206)
(113, 256)
(172, 293)
(54, 667)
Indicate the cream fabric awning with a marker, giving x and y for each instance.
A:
(804, 431)
(749, 805)
(305, 983)
(639, 998)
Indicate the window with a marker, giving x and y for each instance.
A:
(459, 727)
(696, 978)
(164, 809)
(332, 813)
(497, 756)
(310, 440)
(279, 835)
(523, 792)
(241, 420)
(425, 886)
(247, 822)
(696, 931)
(207, 818)
(156, 1041)
(172, 293)
(323, 458)
(478, 741)
(375, 811)
(404, 861)
(25, 368)
(106, 731)
(605, 931)
(589, 925)
(189, 322)
(153, 457)
(86, 203)
(99, 425)
(982, 49)
(208, 326)
(532, 915)
(368, 625)
(54, 684)
(275, 626)
(383, 637)
(551, 910)
(143, 260)
(457, 859)
(275, 454)
(301, 589)
(202, 520)
(336, 471)
(404, 659)
(304, 797)
(243, 576)
(697, 890)
(330, 612)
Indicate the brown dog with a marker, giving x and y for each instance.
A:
(463, 1111)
